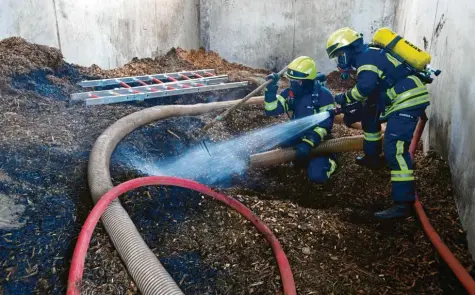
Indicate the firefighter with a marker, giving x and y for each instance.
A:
(384, 92)
(305, 96)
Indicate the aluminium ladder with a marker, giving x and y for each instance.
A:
(151, 86)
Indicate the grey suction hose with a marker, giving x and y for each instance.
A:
(144, 267)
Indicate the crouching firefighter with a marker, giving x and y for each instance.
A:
(305, 96)
(391, 77)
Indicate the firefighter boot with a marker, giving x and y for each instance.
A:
(371, 162)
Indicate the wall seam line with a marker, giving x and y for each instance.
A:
(198, 22)
(57, 26)
(156, 29)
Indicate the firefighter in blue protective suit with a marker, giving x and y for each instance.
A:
(386, 91)
(305, 96)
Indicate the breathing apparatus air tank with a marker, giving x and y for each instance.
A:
(413, 55)
(405, 50)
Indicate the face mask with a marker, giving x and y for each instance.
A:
(343, 64)
(296, 86)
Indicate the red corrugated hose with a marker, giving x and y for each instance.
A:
(80, 251)
(460, 272)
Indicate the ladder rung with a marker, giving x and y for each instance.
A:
(156, 80)
(141, 82)
(124, 84)
(143, 96)
(171, 79)
(185, 77)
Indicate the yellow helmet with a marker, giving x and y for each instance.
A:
(339, 39)
(302, 68)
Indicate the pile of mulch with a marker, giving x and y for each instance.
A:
(20, 57)
(34, 67)
(333, 243)
(35, 85)
(41, 70)
(337, 84)
(178, 59)
(210, 59)
(170, 62)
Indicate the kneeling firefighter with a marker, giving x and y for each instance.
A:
(305, 96)
(391, 77)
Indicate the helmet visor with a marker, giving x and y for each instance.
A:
(342, 61)
(331, 50)
(292, 74)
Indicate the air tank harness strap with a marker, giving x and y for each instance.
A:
(393, 43)
(401, 71)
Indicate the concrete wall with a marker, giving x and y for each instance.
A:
(107, 33)
(32, 20)
(257, 33)
(445, 30)
(270, 34)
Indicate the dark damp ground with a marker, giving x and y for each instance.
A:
(51, 184)
(46, 182)
(51, 82)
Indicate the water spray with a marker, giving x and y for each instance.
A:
(229, 157)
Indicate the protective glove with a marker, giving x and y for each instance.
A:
(321, 77)
(302, 151)
(353, 108)
(340, 99)
(353, 113)
(275, 78)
